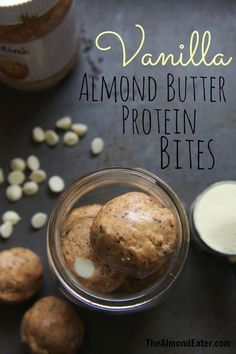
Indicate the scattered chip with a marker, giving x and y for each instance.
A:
(51, 138)
(16, 177)
(64, 123)
(33, 163)
(38, 176)
(18, 164)
(56, 184)
(11, 216)
(30, 188)
(38, 220)
(13, 193)
(70, 138)
(38, 135)
(80, 129)
(97, 146)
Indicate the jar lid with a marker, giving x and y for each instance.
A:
(12, 12)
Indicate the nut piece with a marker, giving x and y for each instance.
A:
(38, 176)
(18, 164)
(12, 216)
(6, 229)
(30, 188)
(136, 233)
(80, 129)
(64, 123)
(21, 274)
(56, 184)
(13, 193)
(51, 137)
(70, 138)
(16, 177)
(97, 146)
(52, 326)
(38, 220)
(33, 163)
(82, 261)
(38, 135)
(2, 178)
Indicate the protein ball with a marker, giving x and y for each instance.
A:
(82, 261)
(135, 233)
(52, 326)
(21, 275)
(89, 211)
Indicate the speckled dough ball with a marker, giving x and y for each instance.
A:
(21, 275)
(83, 263)
(52, 326)
(135, 233)
(89, 211)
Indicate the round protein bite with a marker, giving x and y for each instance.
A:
(21, 274)
(82, 261)
(135, 233)
(51, 326)
(89, 211)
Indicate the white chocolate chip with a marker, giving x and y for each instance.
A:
(11, 216)
(6, 229)
(18, 164)
(38, 220)
(38, 176)
(56, 184)
(2, 178)
(70, 138)
(14, 193)
(97, 146)
(84, 267)
(16, 177)
(51, 137)
(64, 123)
(80, 129)
(30, 188)
(33, 163)
(38, 135)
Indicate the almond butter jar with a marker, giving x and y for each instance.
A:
(38, 42)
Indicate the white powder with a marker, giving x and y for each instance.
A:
(215, 217)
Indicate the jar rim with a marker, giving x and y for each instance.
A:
(137, 301)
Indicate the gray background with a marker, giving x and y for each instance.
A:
(203, 304)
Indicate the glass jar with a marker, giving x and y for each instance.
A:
(38, 42)
(99, 187)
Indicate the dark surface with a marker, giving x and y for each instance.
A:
(203, 304)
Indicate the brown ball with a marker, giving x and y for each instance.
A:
(81, 259)
(51, 326)
(21, 274)
(89, 211)
(135, 233)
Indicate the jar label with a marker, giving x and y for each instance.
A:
(42, 58)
